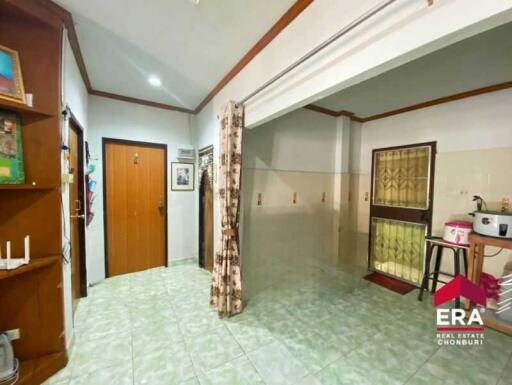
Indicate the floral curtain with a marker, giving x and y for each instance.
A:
(226, 290)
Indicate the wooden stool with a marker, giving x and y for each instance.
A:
(458, 252)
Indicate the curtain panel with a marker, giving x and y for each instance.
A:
(226, 290)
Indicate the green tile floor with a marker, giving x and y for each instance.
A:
(315, 327)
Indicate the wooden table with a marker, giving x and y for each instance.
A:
(477, 244)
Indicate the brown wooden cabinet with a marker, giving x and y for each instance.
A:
(31, 297)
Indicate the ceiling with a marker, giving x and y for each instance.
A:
(189, 44)
(479, 61)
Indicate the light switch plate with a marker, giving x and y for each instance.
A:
(67, 178)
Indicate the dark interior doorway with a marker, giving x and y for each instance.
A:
(206, 208)
(77, 211)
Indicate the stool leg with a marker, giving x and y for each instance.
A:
(424, 281)
(456, 273)
(465, 261)
(439, 256)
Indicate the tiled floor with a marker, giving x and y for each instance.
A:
(316, 328)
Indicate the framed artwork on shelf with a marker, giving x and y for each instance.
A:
(182, 176)
(11, 81)
(11, 149)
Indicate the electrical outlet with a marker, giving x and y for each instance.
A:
(13, 334)
(505, 204)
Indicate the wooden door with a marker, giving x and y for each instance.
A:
(206, 222)
(401, 209)
(77, 215)
(135, 206)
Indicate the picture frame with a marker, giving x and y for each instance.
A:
(182, 176)
(11, 149)
(11, 80)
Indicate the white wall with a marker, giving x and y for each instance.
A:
(293, 154)
(469, 124)
(115, 119)
(74, 95)
(400, 34)
(302, 140)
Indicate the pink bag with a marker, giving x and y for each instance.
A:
(491, 286)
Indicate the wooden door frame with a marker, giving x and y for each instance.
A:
(104, 142)
(75, 124)
(202, 256)
(202, 151)
(432, 171)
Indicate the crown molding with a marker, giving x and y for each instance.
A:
(418, 106)
(290, 15)
(143, 102)
(67, 19)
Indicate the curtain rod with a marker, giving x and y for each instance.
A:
(361, 19)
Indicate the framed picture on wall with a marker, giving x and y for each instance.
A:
(11, 149)
(182, 176)
(11, 82)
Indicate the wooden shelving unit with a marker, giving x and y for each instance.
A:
(31, 297)
(35, 264)
(28, 114)
(26, 186)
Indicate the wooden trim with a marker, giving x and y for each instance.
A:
(321, 110)
(327, 111)
(418, 106)
(295, 10)
(290, 15)
(143, 102)
(104, 142)
(445, 99)
(67, 18)
(38, 10)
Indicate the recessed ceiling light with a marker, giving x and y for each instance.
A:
(154, 81)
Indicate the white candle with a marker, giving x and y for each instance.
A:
(8, 263)
(27, 249)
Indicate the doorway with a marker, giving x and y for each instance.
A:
(77, 212)
(401, 209)
(206, 223)
(135, 205)
(206, 208)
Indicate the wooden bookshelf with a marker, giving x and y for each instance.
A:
(37, 370)
(26, 186)
(28, 114)
(31, 296)
(37, 263)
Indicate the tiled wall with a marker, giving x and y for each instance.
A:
(280, 235)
